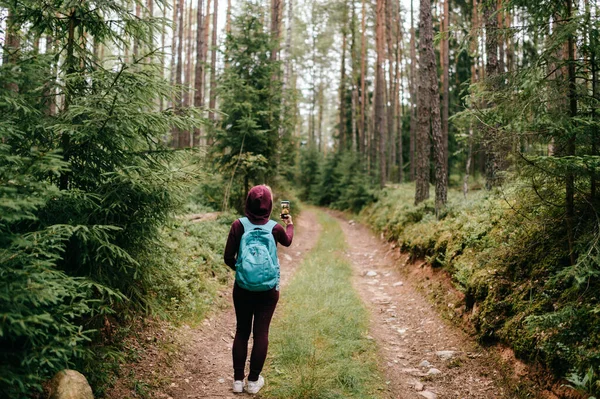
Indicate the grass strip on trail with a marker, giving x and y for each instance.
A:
(319, 348)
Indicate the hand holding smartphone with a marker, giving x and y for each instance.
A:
(285, 209)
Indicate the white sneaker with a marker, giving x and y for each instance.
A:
(255, 386)
(238, 386)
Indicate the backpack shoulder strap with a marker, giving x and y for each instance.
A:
(248, 226)
(270, 225)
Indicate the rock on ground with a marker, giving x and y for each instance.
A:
(428, 395)
(70, 384)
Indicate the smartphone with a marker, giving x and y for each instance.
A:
(285, 209)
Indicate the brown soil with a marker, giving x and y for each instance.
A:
(409, 331)
(200, 365)
(413, 339)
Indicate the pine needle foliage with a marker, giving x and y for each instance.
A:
(247, 143)
(337, 180)
(86, 183)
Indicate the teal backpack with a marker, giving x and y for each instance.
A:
(257, 266)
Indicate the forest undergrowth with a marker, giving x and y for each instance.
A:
(513, 270)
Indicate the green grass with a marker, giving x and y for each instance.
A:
(319, 348)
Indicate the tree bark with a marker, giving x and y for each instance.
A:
(342, 91)
(429, 112)
(163, 36)
(321, 105)
(380, 126)
(172, 74)
(228, 18)
(179, 69)
(595, 138)
(12, 45)
(491, 71)
(136, 42)
(445, 57)
(199, 70)
(399, 86)
(391, 89)
(474, 48)
(363, 72)
(570, 148)
(275, 28)
(70, 68)
(413, 96)
(213, 64)
(355, 80)
(501, 34)
(186, 136)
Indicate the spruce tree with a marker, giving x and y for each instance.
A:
(247, 138)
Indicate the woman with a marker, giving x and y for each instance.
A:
(254, 308)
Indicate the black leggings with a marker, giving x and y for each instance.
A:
(249, 305)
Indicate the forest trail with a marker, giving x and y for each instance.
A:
(422, 354)
(204, 367)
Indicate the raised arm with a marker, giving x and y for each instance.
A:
(284, 236)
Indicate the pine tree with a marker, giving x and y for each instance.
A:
(245, 144)
(86, 187)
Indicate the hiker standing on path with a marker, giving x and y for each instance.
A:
(251, 251)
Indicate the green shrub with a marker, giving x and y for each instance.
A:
(507, 253)
(86, 189)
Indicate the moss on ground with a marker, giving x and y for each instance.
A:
(512, 264)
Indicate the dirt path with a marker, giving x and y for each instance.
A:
(422, 354)
(203, 368)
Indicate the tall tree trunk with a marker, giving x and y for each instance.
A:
(510, 54)
(363, 72)
(70, 66)
(399, 85)
(312, 126)
(439, 157)
(206, 33)
(413, 96)
(150, 11)
(491, 69)
(12, 45)
(321, 112)
(355, 79)
(474, 47)
(342, 93)
(595, 138)
(163, 36)
(50, 91)
(213, 64)
(500, 17)
(199, 70)
(287, 71)
(392, 89)
(445, 58)
(380, 126)
(228, 17)
(172, 74)
(185, 136)
(136, 42)
(179, 68)
(388, 106)
(570, 149)
(275, 28)
(428, 103)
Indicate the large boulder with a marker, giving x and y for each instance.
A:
(70, 384)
